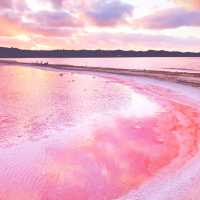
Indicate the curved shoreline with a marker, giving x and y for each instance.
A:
(170, 133)
(192, 79)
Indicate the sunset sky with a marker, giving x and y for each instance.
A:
(100, 24)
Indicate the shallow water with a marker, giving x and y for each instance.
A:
(186, 64)
(84, 136)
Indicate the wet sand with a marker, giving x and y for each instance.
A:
(188, 78)
(89, 136)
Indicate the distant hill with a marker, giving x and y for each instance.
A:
(19, 53)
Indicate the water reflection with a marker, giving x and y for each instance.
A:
(78, 137)
(186, 64)
(34, 101)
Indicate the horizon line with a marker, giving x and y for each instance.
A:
(100, 50)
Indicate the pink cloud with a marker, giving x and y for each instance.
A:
(33, 29)
(104, 40)
(109, 13)
(57, 3)
(5, 4)
(55, 19)
(69, 22)
(169, 18)
(12, 42)
(131, 41)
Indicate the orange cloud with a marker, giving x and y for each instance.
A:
(192, 4)
(9, 27)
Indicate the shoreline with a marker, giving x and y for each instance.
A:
(188, 78)
(181, 119)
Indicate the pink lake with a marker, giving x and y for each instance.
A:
(186, 64)
(89, 136)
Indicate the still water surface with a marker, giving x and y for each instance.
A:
(83, 136)
(174, 64)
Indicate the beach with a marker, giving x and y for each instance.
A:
(99, 100)
(190, 78)
(98, 133)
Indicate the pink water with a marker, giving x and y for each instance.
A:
(80, 136)
(186, 64)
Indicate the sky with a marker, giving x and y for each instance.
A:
(101, 24)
